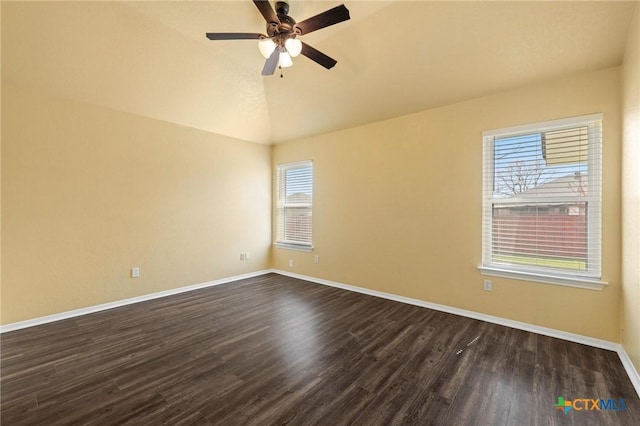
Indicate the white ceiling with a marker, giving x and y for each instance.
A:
(394, 57)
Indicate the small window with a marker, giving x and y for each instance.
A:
(542, 201)
(294, 205)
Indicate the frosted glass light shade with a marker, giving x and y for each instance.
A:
(293, 46)
(285, 60)
(266, 47)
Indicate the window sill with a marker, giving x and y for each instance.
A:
(295, 247)
(586, 283)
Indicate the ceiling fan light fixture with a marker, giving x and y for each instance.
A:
(279, 44)
(266, 47)
(285, 59)
(293, 46)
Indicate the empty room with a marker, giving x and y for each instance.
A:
(320, 212)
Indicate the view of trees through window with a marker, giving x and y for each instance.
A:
(539, 210)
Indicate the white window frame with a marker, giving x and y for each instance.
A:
(281, 205)
(592, 278)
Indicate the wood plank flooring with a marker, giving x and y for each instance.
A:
(276, 350)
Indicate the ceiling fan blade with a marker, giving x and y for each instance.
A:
(267, 11)
(317, 56)
(234, 36)
(324, 19)
(271, 63)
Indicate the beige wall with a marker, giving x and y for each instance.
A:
(398, 206)
(90, 192)
(0, 182)
(630, 300)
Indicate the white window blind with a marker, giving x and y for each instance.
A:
(542, 198)
(294, 205)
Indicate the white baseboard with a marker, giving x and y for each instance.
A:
(585, 340)
(103, 307)
(629, 368)
(571, 337)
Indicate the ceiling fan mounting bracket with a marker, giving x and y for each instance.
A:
(287, 24)
(282, 8)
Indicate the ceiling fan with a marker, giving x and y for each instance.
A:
(281, 42)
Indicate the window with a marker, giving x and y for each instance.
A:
(542, 202)
(294, 205)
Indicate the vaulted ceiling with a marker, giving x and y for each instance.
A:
(394, 57)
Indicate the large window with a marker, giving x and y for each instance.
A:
(294, 205)
(542, 202)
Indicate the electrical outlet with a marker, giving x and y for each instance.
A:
(316, 259)
(290, 263)
(247, 256)
(487, 285)
(135, 272)
(243, 256)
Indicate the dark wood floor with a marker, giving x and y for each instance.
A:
(276, 350)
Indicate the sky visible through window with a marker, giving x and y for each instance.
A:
(298, 181)
(520, 165)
